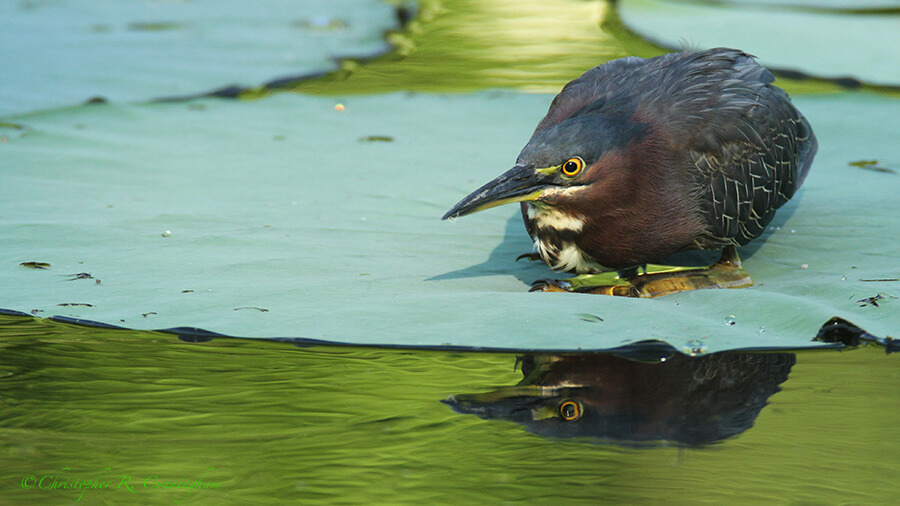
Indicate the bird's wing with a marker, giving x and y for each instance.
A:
(746, 182)
(750, 146)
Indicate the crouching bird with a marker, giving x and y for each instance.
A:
(639, 159)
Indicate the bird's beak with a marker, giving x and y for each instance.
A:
(521, 403)
(515, 185)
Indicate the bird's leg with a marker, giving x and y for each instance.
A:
(632, 272)
(657, 280)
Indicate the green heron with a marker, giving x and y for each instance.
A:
(689, 400)
(639, 159)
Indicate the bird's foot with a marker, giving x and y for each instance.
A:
(607, 283)
(534, 257)
(658, 280)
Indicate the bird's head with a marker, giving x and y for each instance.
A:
(572, 163)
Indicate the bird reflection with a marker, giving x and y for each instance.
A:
(606, 397)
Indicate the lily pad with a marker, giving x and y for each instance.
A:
(64, 52)
(195, 216)
(818, 38)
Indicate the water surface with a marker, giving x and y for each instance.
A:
(272, 421)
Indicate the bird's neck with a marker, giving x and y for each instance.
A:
(554, 232)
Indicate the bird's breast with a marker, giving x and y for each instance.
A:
(555, 233)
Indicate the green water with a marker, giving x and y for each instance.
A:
(265, 422)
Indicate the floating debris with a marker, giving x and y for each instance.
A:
(871, 165)
(730, 320)
(873, 300)
(260, 309)
(339, 107)
(167, 233)
(35, 265)
(76, 304)
(154, 26)
(879, 280)
(589, 317)
(148, 314)
(187, 291)
(376, 138)
(81, 275)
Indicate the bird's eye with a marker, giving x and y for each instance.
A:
(570, 410)
(572, 167)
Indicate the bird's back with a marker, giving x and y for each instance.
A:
(738, 138)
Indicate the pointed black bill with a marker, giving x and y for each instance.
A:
(515, 185)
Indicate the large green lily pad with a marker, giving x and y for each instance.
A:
(827, 39)
(63, 52)
(317, 218)
(285, 217)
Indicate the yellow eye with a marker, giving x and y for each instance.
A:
(570, 410)
(572, 166)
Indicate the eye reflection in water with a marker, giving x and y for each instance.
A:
(630, 400)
